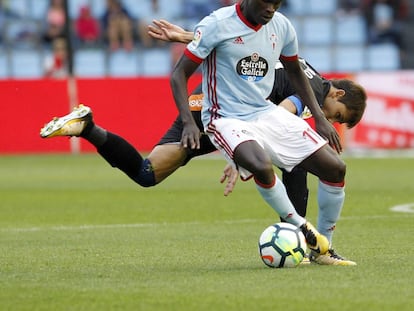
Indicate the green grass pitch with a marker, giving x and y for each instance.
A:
(76, 234)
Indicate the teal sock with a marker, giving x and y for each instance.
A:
(330, 200)
(275, 195)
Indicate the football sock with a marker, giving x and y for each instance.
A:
(95, 134)
(146, 177)
(331, 199)
(122, 155)
(275, 195)
(297, 189)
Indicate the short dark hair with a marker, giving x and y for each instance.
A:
(355, 99)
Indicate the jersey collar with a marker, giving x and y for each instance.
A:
(244, 19)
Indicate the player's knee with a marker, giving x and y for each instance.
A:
(263, 167)
(251, 157)
(339, 172)
(263, 173)
(146, 177)
(333, 172)
(343, 171)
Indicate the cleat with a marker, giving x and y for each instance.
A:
(330, 258)
(306, 260)
(317, 242)
(70, 125)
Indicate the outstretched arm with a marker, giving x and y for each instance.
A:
(166, 31)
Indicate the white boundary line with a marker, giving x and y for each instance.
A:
(403, 208)
(150, 225)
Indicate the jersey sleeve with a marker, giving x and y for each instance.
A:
(290, 48)
(204, 41)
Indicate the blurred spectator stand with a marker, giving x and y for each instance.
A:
(118, 26)
(155, 9)
(385, 20)
(55, 64)
(87, 27)
(195, 10)
(55, 21)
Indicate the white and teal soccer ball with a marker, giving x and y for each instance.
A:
(282, 245)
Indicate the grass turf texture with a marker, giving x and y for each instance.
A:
(78, 235)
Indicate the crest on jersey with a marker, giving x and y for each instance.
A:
(196, 39)
(252, 68)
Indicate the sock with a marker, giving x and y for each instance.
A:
(95, 134)
(122, 155)
(275, 195)
(331, 199)
(297, 189)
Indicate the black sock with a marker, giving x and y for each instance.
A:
(121, 154)
(297, 189)
(95, 134)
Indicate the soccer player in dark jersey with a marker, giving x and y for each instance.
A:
(168, 155)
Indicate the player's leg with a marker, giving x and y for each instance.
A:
(166, 159)
(236, 140)
(114, 149)
(251, 156)
(325, 164)
(292, 143)
(121, 154)
(330, 169)
(160, 163)
(169, 155)
(296, 184)
(163, 160)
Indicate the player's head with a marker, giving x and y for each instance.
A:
(345, 102)
(259, 12)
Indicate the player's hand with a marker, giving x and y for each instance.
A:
(190, 138)
(328, 131)
(165, 31)
(231, 174)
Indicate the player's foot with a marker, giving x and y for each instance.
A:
(330, 258)
(70, 125)
(317, 242)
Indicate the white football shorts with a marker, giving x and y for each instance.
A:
(286, 138)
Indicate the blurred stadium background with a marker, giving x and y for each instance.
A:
(135, 81)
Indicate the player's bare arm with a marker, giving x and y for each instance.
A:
(304, 90)
(183, 70)
(288, 105)
(166, 31)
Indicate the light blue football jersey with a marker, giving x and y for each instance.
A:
(238, 61)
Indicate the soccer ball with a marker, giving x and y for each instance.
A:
(282, 245)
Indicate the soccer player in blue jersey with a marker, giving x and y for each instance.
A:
(238, 47)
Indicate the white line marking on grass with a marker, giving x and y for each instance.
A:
(81, 227)
(149, 225)
(403, 208)
(122, 226)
